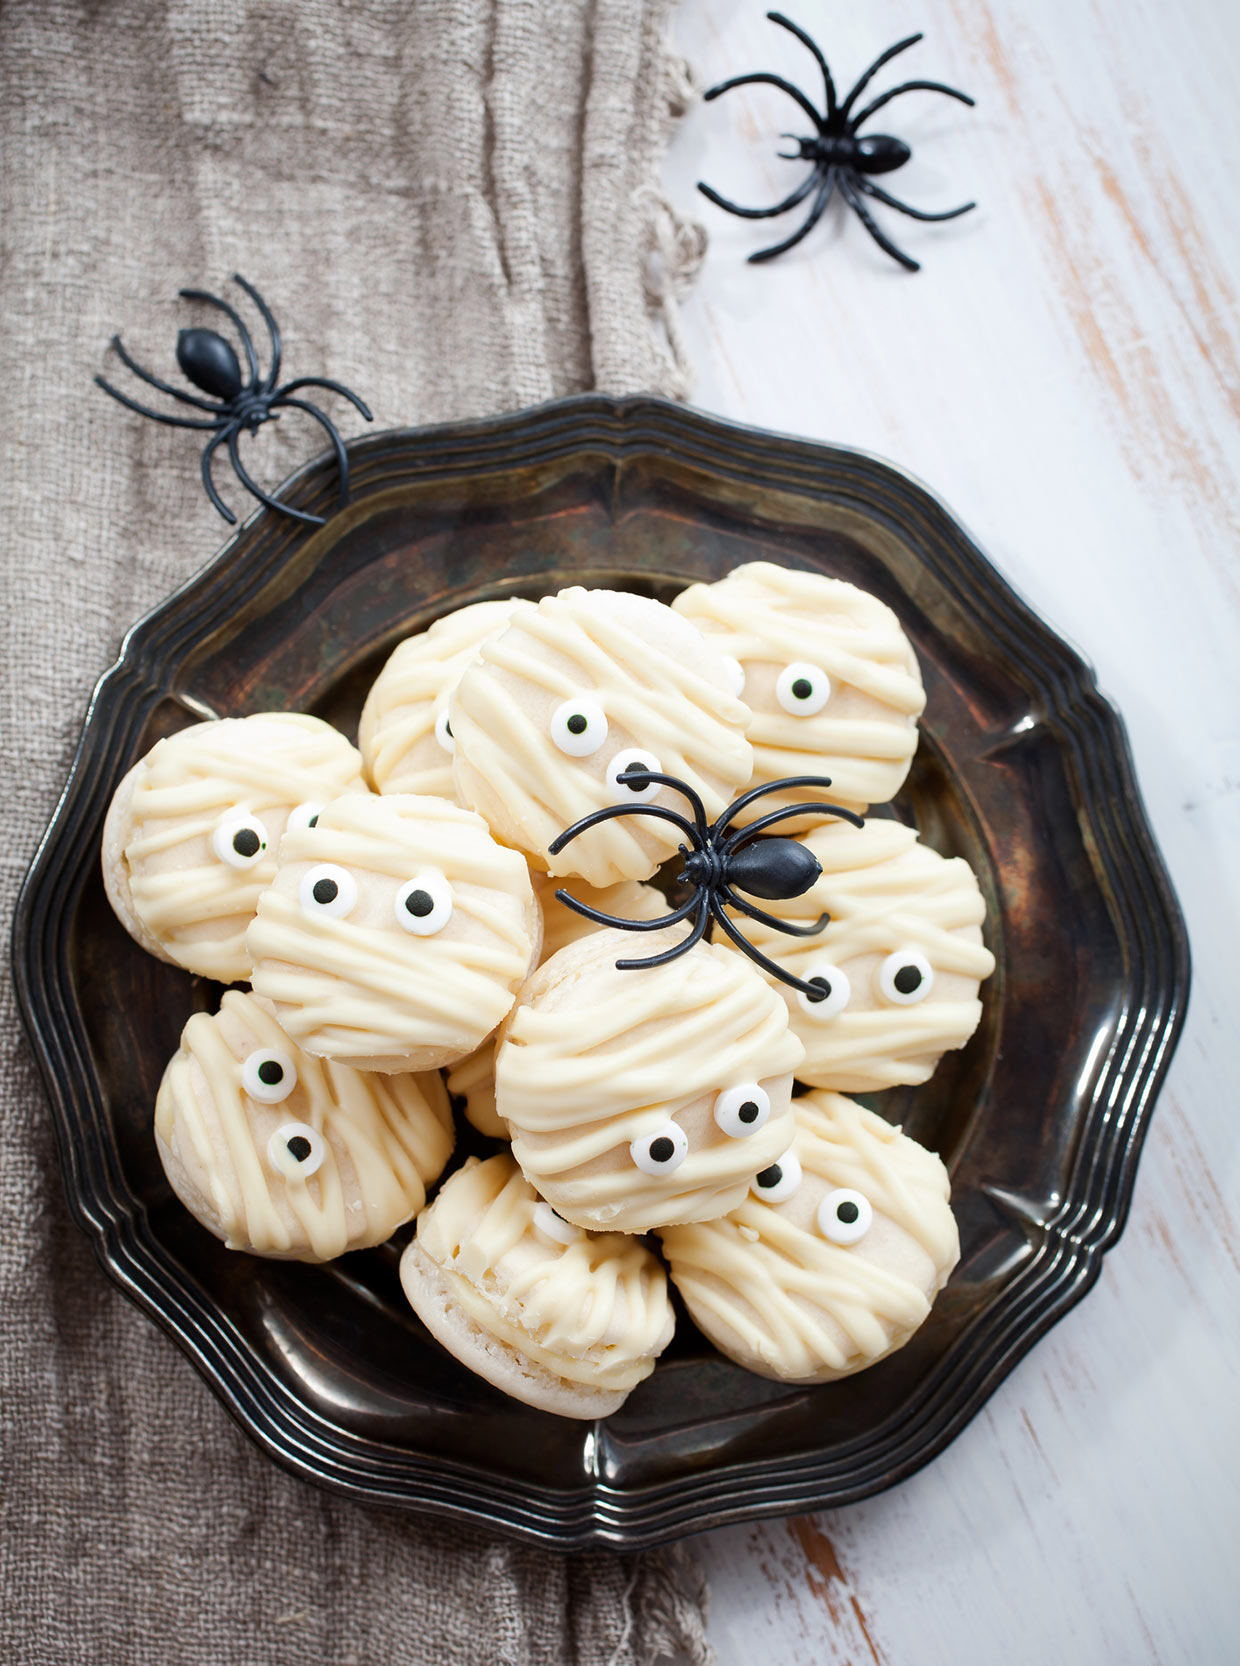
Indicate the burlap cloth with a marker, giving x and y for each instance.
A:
(450, 207)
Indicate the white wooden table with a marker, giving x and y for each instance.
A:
(1065, 373)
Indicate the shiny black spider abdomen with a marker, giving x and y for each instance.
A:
(877, 153)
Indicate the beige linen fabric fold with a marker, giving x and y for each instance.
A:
(451, 205)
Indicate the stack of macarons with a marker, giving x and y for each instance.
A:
(394, 914)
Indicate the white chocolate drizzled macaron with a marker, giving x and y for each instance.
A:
(828, 673)
(191, 837)
(404, 734)
(639, 1098)
(285, 1155)
(899, 963)
(562, 1319)
(562, 702)
(833, 1260)
(395, 933)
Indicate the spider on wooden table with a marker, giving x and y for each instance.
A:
(841, 155)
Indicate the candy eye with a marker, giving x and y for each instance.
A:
(578, 727)
(240, 839)
(844, 1216)
(443, 731)
(304, 815)
(779, 1182)
(662, 1151)
(269, 1075)
(736, 675)
(803, 689)
(632, 792)
(905, 977)
(741, 1111)
(424, 904)
(835, 987)
(554, 1226)
(328, 890)
(296, 1150)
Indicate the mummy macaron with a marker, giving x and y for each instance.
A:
(639, 1098)
(557, 707)
(290, 1156)
(191, 836)
(828, 673)
(835, 1257)
(395, 933)
(898, 964)
(562, 1319)
(404, 733)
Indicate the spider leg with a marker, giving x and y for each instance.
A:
(908, 87)
(155, 416)
(871, 225)
(730, 897)
(238, 324)
(794, 29)
(209, 483)
(802, 191)
(755, 954)
(872, 190)
(815, 214)
(766, 79)
(674, 953)
(269, 381)
(164, 387)
(609, 810)
(746, 799)
(323, 382)
(699, 809)
(257, 491)
(746, 835)
(342, 461)
(601, 919)
(883, 58)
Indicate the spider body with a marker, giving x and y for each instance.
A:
(720, 862)
(843, 158)
(238, 402)
(877, 153)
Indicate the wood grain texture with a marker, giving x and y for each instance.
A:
(1065, 372)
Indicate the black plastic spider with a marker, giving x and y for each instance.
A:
(839, 156)
(774, 868)
(210, 363)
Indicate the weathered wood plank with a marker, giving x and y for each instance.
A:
(1065, 372)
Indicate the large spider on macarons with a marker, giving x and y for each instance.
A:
(719, 862)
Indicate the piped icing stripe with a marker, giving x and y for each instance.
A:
(594, 1310)
(473, 1080)
(590, 644)
(385, 1138)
